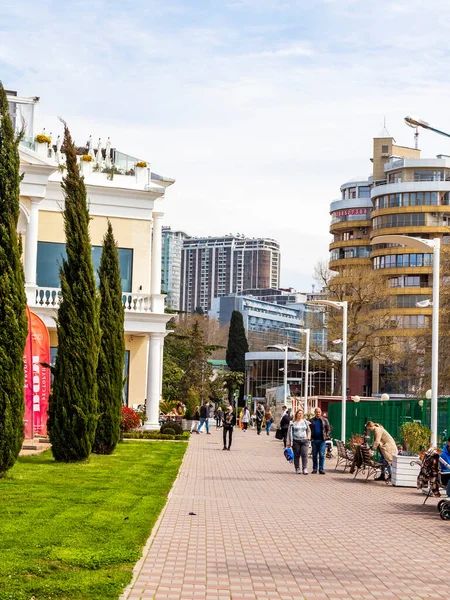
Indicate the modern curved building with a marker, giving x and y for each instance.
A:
(350, 225)
(408, 196)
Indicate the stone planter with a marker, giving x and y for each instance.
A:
(42, 149)
(142, 175)
(186, 424)
(403, 473)
(86, 167)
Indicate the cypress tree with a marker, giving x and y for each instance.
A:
(73, 403)
(112, 348)
(13, 321)
(237, 343)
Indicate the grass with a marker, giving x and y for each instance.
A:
(75, 531)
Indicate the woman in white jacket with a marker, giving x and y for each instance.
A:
(299, 436)
(245, 418)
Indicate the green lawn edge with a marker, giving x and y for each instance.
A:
(75, 531)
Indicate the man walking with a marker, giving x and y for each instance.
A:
(320, 432)
(259, 415)
(229, 421)
(204, 418)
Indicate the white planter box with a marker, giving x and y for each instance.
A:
(403, 474)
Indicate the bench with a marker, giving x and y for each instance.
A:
(367, 463)
(345, 456)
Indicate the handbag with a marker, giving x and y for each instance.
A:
(279, 433)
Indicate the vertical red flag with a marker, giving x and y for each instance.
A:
(41, 375)
(28, 387)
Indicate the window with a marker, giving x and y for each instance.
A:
(384, 149)
(401, 261)
(364, 191)
(400, 220)
(50, 256)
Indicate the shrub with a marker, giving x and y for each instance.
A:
(141, 164)
(155, 435)
(173, 426)
(130, 419)
(415, 437)
(41, 138)
(169, 431)
(87, 158)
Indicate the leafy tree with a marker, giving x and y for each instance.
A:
(73, 406)
(112, 348)
(13, 321)
(198, 372)
(172, 379)
(237, 343)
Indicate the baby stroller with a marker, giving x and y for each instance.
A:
(444, 509)
(329, 452)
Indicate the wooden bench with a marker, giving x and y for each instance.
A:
(368, 464)
(345, 456)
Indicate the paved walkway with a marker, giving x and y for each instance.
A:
(260, 531)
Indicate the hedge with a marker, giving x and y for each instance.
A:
(155, 435)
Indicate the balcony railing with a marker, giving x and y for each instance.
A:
(134, 303)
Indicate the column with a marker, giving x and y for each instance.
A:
(154, 380)
(31, 244)
(157, 297)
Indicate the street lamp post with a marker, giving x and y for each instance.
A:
(307, 332)
(344, 307)
(435, 246)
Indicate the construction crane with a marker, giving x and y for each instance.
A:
(415, 123)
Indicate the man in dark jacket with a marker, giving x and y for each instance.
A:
(259, 414)
(320, 432)
(229, 421)
(204, 418)
(284, 424)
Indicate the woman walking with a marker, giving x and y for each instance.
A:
(385, 443)
(299, 435)
(195, 418)
(245, 418)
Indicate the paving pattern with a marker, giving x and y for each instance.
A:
(261, 531)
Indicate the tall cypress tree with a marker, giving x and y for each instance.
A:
(13, 321)
(237, 343)
(73, 406)
(112, 348)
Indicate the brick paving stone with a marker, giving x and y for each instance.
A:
(260, 531)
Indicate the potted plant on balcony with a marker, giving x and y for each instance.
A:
(86, 164)
(42, 142)
(405, 467)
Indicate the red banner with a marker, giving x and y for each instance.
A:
(37, 377)
(351, 211)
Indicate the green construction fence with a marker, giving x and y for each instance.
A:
(391, 415)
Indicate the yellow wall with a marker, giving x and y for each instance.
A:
(129, 233)
(137, 345)
(138, 368)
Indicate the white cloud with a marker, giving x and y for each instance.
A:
(259, 113)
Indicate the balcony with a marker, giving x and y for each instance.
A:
(47, 297)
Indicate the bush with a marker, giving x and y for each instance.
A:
(415, 437)
(169, 431)
(175, 428)
(130, 419)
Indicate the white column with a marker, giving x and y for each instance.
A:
(154, 379)
(31, 244)
(435, 342)
(157, 297)
(344, 369)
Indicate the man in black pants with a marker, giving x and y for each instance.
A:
(284, 424)
(229, 421)
(259, 417)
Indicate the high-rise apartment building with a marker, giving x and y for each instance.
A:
(408, 196)
(218, 266)
(172, 249)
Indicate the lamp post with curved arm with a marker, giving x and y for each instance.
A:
(344, 307)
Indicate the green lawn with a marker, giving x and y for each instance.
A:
(74, 531)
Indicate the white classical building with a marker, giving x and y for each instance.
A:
(131, 197)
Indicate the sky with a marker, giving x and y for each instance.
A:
(260, 109)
